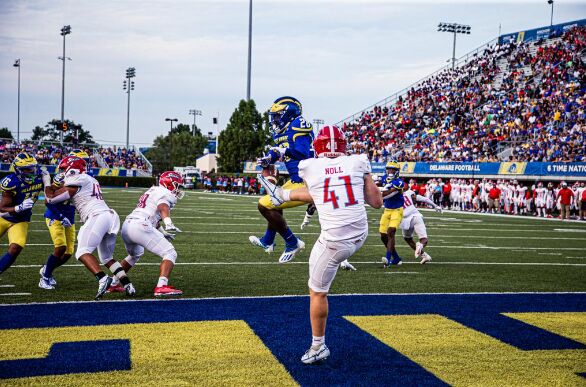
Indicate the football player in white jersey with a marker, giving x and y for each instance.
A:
(540, 193)
(550, 196)
(100, 223)
(141, 229)
(339, 185)
(413, 221)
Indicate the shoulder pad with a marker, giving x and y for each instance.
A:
(9, 183)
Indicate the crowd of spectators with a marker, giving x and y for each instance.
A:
(51, 154)
(241, 185)
(526, 96)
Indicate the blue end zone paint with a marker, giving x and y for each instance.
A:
(72, 358)
(283, 325)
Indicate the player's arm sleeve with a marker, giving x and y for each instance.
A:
(425, 200)
(301, 147)
(302, 169)
(365, 164)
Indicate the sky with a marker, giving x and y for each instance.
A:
(336, 57)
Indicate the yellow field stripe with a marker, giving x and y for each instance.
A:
(163, 354)
(462, 356)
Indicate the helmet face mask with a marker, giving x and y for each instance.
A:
(393, 169)
(172, 181)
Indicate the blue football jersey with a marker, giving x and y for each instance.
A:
(21, 190)
(296, 139)
(395, 201)
(58, 211)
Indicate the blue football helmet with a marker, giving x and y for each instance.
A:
(26, 167)
(282, 112)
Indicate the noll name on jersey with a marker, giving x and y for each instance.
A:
(333, 170)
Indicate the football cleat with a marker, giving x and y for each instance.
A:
(385, 261)
(44, 283)
(418, 249)
(103, 285)
(347, 265)
(51, 279)
(116, 288)
(425, 258)
(290, 251)
(129, 289)
(314, 355)
(167, 291)
(396, 261)
(256, 241)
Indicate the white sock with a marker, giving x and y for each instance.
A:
(318, 341)
(163, 281)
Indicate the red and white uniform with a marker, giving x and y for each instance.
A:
(100, 222)
(549, 198)
(540, 197)
(337, 188)
(139, 228)
(412, 218)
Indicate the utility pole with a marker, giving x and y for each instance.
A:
(249, 48)
(195, 113)
(17, 64)
(66, 30)
(128, 85)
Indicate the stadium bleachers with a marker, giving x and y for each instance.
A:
(511, 102)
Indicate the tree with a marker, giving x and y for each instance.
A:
(244, 137)
(53, 129)
(5, 133)
(38, 133)
(177, 148)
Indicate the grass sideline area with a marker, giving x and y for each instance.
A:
(471, 253)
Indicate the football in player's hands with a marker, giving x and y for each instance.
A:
(270, 173)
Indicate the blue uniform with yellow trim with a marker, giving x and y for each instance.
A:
(296, 139)
(16, 225)
(393, 213)
(55, 214)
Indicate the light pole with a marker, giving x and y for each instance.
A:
(249, 49)
(17, 64)
(195, 113)
(171, 120)
(454, 28)
(66, 30)
(550, 2)
(318, 122)
(127, 86)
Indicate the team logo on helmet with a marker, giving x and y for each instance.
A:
(283, 111)
(25, 166)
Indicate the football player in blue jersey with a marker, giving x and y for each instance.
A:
(60, 219)
(293, 137)
(392, 191)
(20, 191)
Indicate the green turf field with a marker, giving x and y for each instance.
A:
(471, 253)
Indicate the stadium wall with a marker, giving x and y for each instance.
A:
(540, 33)
(516, 170)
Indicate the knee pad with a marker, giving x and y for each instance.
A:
(170, 255)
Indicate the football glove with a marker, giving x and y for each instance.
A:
(278, 150)
(168, 236)
(45, 176)
(66, 222)
(264, 162)
(170, 228)
(275, 192)
(27, 204)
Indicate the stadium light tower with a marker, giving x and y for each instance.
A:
(127, 86)
(318, 122)
(66, 30)
(454, 28)
(17, 64)
(195, 113)
(171, 120)
(550, 2)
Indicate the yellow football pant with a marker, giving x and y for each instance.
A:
(61, 235)
(390, 218)
(17, 232)
(265, 201)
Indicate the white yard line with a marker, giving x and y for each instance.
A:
(6, 286)
(273, 263)
(291, 296)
